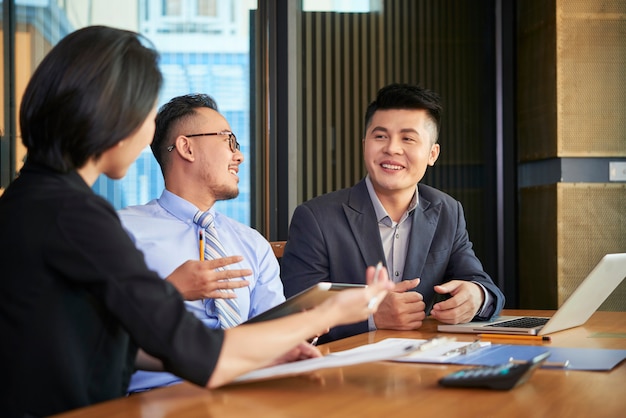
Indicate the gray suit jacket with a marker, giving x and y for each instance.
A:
(335, 237)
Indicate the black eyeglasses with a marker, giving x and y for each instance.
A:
(232, 140)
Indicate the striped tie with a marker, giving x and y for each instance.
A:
(227, 309)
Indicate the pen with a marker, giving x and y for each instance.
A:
(379, 267)
(374, 299)
(201, 242)
(556, 364)
(514, 337)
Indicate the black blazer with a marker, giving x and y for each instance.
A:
(76, 299)
(335, 237)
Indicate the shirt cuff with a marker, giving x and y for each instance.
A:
(488, 307)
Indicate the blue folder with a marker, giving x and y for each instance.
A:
(595, 359)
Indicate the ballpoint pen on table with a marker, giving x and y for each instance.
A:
(514, 337)
(556, 364)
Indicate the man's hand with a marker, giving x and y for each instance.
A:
(466, 300)
(196, 279)
(401, 309)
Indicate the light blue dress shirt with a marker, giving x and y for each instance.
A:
(164, 231)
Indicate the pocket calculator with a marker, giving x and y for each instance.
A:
(502, 377)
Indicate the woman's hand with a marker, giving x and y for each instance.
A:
(355, 305)
(302, 351)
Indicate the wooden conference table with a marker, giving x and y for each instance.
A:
(400, 389)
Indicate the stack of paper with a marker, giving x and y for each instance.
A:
(384, 350)
(444, 350)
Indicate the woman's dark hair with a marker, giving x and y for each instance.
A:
(93, 89)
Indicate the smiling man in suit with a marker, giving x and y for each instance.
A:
(418, 232)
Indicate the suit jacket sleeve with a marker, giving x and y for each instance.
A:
(310, 257)
(464, 265)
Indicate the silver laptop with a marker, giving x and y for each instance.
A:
(576, 310)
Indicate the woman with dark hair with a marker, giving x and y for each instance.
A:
(78, 306)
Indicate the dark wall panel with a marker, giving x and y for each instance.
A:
(447, 46)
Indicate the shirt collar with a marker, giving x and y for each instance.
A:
(380, 211)
(179, 207)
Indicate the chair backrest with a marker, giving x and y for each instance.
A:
(278, 247)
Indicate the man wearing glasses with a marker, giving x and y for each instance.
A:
(199, 157)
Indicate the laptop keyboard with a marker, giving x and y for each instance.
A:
(526, 322)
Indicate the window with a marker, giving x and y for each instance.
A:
(203, 47)
(207, 8)
(172, 7)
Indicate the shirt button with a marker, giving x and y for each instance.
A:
(397, 236)
(397, 273)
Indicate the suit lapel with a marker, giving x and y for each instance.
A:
(423, 229)
(361, 217)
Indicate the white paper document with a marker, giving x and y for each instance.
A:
(442, 353)
(390, 348)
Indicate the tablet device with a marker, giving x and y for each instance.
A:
(304, 300)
